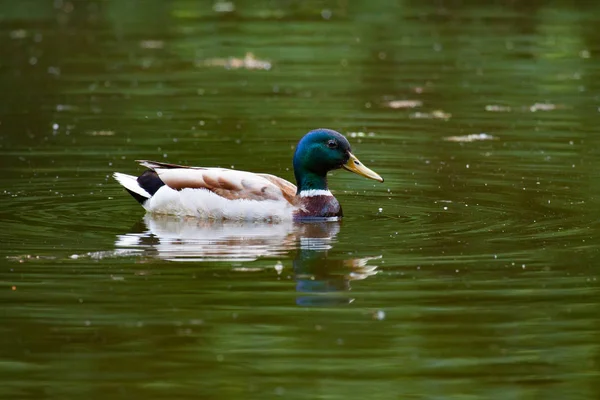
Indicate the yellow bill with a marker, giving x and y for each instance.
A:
(354, 165)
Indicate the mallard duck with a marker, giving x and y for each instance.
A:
(219, 193)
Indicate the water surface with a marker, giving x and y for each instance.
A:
(470, 273)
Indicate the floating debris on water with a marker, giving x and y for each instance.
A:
(497, 108)
(53, 71)
(545, 107)
(360, 134)
(248, 62)
(101, 133)
(470, 138)
(29, 257)
(278, 267)
(65, 107)
(152, 44)
(224, 7)
(246, 269)
(436, 114)
(18, 34)
(378, 315)
(533, 108)
(405, 103)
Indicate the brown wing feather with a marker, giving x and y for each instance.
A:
(287, 188)
(230, 184)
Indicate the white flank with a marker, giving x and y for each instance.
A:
(204, 204)
(130, 182)
(315, 192)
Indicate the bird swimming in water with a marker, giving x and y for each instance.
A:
(220, 193)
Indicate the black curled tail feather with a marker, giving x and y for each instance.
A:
(141, 188)
(150, 182)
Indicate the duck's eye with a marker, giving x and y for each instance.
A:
(332, 144)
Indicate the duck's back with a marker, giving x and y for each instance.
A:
(215, 193)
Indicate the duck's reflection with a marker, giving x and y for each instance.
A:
(323, 278)
(315, 273)
(189, 239)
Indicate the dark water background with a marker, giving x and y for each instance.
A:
(470, 273)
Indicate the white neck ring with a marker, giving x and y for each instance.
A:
(315, 192)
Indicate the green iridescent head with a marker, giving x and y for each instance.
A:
(321, 151)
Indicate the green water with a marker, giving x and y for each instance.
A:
(470, 273)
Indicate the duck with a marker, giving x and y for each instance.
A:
(211, 193)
